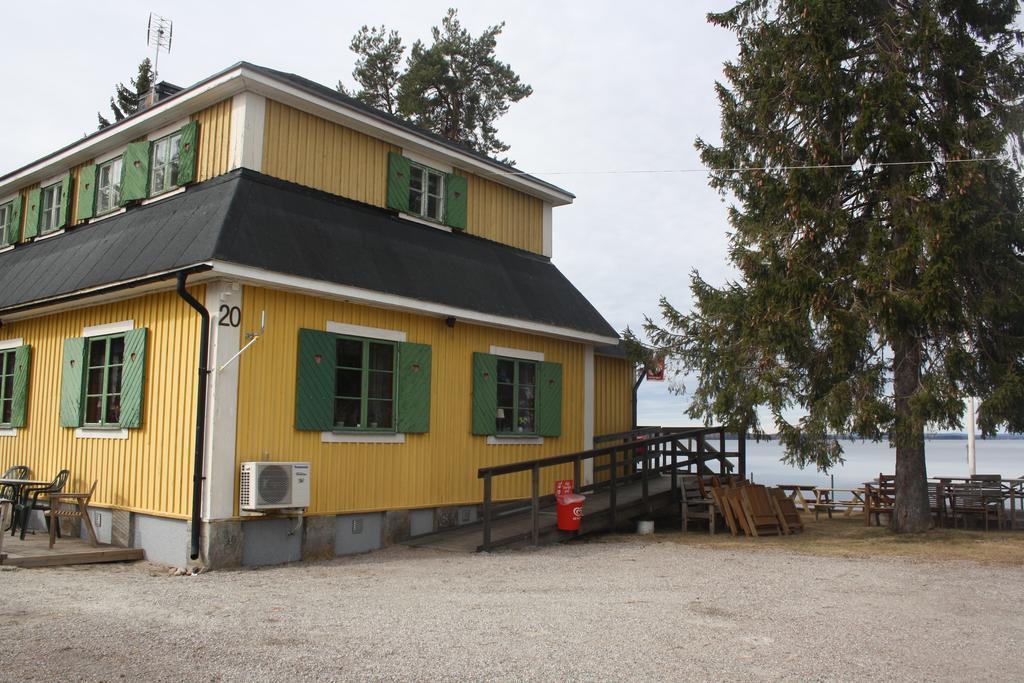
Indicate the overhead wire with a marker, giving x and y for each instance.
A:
(744, 169)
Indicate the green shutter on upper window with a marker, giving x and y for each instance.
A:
(398, 182)
(65, 201)
(314, 385)
(85, 207)
(135, 172)
(71, 375)
(133, 378)
(413, 388)
(35, 198)
(187, 148)
(549, 399)
(485, 393)
(14, 226)
(455, 194)
(22, 366)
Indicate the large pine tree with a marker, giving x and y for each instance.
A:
(455, 86)
(884, 283)
(125, 100)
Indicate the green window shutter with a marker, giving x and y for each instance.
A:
(14, 228)
(455, 194)
(71, 376)
(22, 366)
(187, 148)
(398, 182)
(86, 205)
(135, 172)
(485, 393)
(549, 396)
(314, 386)
(65, 201)
(133, 378)
(413, 388)
(32, 213)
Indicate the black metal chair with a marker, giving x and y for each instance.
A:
(25, 508)
(9, 492)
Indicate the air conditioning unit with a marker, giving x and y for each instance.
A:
(273, 486)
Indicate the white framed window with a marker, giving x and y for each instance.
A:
(108, 186)
(426, 192)
(6, 216)
(50, 201)
(163, 168)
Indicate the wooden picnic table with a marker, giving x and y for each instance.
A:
(1014, 490)
(825, 498)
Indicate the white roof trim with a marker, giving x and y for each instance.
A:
(369, 297)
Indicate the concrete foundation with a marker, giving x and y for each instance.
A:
(421, 522)
(358, 533)
(396, 526)
(122, 528)
(271, 541)
(261, 541)
(318, 537)
(164, 540)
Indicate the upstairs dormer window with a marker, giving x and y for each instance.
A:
(108, 186)
(426, 192)
(163, 167)
(6, 220)
(51, 202)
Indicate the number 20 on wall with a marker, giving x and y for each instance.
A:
(230, 316)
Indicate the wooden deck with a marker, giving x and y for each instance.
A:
(515, 527)
(35, 551)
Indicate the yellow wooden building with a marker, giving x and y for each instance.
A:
(258, 269)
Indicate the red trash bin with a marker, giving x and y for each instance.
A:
(570, 511)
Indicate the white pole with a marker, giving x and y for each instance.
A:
(971, 459)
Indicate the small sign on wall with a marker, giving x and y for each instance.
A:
(656, 373)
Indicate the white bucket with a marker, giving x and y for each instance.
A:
(645, 527)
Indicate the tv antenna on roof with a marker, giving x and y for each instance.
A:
(158, 35)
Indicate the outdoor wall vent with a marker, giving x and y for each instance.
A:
(273, 486)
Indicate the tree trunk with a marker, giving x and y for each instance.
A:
(912, 512)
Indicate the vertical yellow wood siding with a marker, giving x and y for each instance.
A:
(504, 215)
(433, 469)
(151, 470)
(613, 395)
(214, 140)
(311, 151)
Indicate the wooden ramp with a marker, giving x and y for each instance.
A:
(35, 551)
(515, 527)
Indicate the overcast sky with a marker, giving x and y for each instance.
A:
(621, 90)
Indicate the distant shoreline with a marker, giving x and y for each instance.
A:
(938, 436)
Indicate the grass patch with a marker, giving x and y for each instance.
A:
(849, 537)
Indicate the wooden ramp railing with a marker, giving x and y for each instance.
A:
(628, 458)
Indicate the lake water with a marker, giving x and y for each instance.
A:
(865, 460)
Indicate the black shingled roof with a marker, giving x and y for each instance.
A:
(254, 220)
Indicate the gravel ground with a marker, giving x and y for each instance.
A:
(622, 609)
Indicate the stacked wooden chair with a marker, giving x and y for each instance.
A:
(754, 510)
